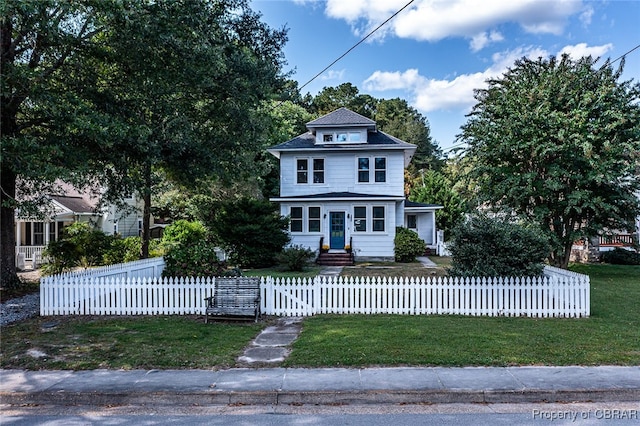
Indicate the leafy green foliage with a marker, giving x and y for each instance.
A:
(80, 245)
(128, 249)
(196, 259)
(433, 187)
(184, 232)
(295, 258)
(490, 247)
(556, 141)
(620, 256)
(252, 231)
(407, 245)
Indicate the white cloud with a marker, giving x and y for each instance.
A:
(433, 20)
(581, 49)
(333, 75)
(586, 15)
(455, 94)
(381, 81)
(480, 41)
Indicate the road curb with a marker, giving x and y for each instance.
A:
(277, 397)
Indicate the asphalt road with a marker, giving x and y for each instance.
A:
(612, 413)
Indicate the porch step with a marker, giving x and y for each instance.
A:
(335, 259)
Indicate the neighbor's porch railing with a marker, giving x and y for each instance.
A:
(30, 252)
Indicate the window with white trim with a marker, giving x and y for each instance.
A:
(318, 170)
(380, 169)
(360, 219)
(296, 219)
(302, 167)
(314, 219)
(363, 169)
(378, 219)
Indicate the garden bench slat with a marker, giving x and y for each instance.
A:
(233, 298)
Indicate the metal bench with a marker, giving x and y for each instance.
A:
(234, 298)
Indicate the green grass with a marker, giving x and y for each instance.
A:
(81, 343)
(610, 336)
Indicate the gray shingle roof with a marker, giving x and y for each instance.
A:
(346, 195)
(408, 203)
(341, 117)
(308, 141)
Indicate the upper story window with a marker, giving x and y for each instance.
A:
(318, 170)
(363, 169)
(341, 137)
(302, 167)
(302, 170)
(381, 169)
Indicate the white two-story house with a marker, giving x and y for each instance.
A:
(342, 186)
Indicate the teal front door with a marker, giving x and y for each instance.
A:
(337, 230)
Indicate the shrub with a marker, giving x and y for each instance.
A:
(484, 246)
(183, 232)
(193, 260)
(619, 256)
(252, 231)
(79, 245)
(128, 250)
(295, 258)
(407, 245)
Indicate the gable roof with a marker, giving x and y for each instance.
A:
(342, 117)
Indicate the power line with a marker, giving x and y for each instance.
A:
(356, 45)
(624, 54)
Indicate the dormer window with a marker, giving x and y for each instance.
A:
(340, 136)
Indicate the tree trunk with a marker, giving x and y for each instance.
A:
(146, 214)
(8, 273)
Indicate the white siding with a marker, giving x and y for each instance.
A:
(340, 174)
(365, 244)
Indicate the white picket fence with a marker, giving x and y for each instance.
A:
(557, 294)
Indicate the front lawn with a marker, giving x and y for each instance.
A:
(610, 336)
(84, 343)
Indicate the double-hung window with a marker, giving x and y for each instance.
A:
(318, 170)
(378, 219)
(381, 169)
(360, 219)
(314, 219)
(302, 167)
(296, 219)
(363, 169)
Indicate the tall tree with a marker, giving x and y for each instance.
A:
(111, 92)
(194, 99)
(345, 95)
(48, 130)
(435, 188)
(557, 141)
(398, 118)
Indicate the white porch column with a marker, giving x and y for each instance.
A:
(47, 225)
(18, 234)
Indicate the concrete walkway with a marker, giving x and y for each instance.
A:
(426, 262)
(262, 386)
(272, 346)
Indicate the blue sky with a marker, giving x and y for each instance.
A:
(435, 52)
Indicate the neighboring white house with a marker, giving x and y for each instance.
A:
(342, 186)
(69, 206)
